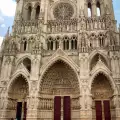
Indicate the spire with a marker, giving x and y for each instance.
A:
(8, 33)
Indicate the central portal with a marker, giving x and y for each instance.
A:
(59, 93)
(62, 108)
(102, 98)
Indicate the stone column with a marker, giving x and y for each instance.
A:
(4, 113)
(7, 67)
(86, 104)
(33, 14)
(61, 44)
(32, 100)
(32, 105)
(86, 9)
(94, 9)
(54, 45)
(69, 44)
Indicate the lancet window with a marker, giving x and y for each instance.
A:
(94, 8)
(53, 44)
(27, 64)
(98, 9)
(101, 40)
(37, 12)
(89, 9)
(29, 11)
(70, 43)
(50, 43)
(66, 43)
(24, 45)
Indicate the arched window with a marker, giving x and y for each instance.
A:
(89, 10)
(75, 44)
(29, 13)
(51, 45)
(101, 40)
(72, 44)
(25, 45)
(37, 12)
(67, 44)
(64, 44)
(27, 64)
(98, 9)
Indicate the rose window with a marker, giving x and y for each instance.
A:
(63, 11)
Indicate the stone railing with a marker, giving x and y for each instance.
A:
(45, 103)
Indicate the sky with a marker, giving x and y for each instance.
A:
(7, 12)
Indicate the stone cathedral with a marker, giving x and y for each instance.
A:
(61, 62)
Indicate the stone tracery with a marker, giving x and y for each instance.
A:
(69, 29)
(63, 11)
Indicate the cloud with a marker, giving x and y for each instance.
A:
(7, 7)
(3, 25)
(1, 20)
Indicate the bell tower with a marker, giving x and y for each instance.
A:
(61, 62)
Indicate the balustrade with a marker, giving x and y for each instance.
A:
(45, 104)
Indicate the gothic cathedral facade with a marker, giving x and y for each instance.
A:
(61, 62)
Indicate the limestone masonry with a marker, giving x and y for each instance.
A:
(61, 48)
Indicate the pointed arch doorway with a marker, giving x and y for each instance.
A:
(17, 98)
(59, 93)
(102, 98)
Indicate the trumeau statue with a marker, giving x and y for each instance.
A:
(61, 61)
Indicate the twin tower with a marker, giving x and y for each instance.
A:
(61, 62)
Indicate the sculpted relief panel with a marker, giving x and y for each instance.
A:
(101, 88)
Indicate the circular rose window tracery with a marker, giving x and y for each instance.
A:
(63, 11)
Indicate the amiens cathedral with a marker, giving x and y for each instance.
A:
(61, 62)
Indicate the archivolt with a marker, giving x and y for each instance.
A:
(13, 79)
(112, 83)
(49, 65)
(54, 60)
(97, 52)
